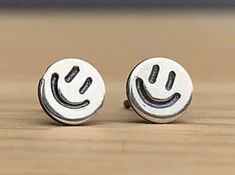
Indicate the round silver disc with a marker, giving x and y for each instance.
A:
(159, 89)
(71, 91)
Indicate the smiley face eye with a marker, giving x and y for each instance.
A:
(170, 81)
(72, 74)
(86, 85)
(154, 73)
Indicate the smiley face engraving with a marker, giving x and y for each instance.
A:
(152, 101)
(60, 98)
(71, 91)
(159, 89)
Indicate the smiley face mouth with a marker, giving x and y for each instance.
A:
(59, 97)
(154, 102)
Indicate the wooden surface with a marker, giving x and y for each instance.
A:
(117, 141)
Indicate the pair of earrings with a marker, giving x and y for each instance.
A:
(72, 90)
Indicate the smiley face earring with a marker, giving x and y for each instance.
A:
(159, 90)
(71, 91)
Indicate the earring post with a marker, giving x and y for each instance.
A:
(126, 104)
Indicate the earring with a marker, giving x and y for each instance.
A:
(159, 90)
(71, 91)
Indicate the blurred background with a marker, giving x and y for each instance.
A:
(114, 35)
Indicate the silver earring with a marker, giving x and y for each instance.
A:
(71, 91)
(159, 90)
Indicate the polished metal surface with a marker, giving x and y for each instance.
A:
(159, 90)
(71, 91)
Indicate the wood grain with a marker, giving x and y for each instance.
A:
(117, 141)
